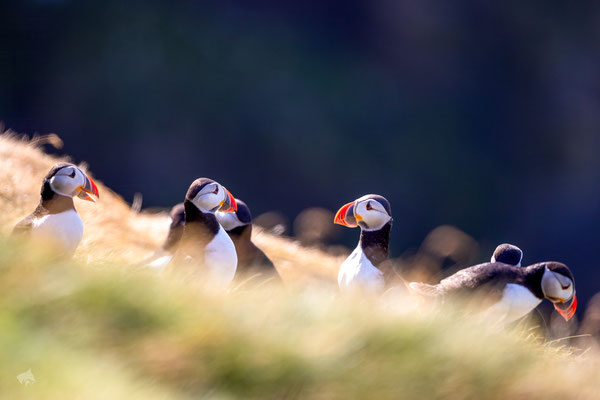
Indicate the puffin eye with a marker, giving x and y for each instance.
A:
(72, 174)
(369, 207)
(216, 191)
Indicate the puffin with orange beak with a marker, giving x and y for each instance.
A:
(373, 214)
(204, 243)
(516, 290)
(55, 219)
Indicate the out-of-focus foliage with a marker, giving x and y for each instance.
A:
(95, 333)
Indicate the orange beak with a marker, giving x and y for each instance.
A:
(229, 204)
(568, 312)
(345, 216)
(87, 189)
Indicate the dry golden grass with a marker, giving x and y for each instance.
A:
(113, 231)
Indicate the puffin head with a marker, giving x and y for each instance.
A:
(210, 196)
(68, 180)
(371, 212)
(558, 286)
(232, 220)
(508, 254)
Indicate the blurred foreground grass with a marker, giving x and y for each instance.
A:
(96, 332)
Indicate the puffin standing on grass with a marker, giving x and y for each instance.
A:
(373, 214)
(516, 291)
(238, 225)
(508, 254)
(55, 219)
(204, 245)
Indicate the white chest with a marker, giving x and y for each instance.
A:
(358, 273)
(516, 302)
(220, 258)
(63, 230)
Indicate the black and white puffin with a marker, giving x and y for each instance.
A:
(508, 254)
(515, 291)
(165, 253)
(204, 243)
(55, 219)
(373, 214)
(239, 227)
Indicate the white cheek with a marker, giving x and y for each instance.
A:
(567, 293)
(228, 221)
(79, 181)
(199, 203)
(205, 202)
(63, 185)
(376, 220)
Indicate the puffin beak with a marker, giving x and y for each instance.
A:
(87, 189)
(345, 216)
(229, 204)
(567, 310)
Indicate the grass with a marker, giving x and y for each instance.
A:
(94, 327)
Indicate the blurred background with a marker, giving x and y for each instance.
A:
(473, 114)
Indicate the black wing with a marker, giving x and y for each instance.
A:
(177, 215)
(262, 261)
(488, 278)
(23, 228)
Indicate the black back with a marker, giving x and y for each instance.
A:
(492, 278)
(508, 254)
(250, 257)
(177, 215)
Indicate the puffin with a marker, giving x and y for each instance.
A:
(238, 225)
(508, 254)
(205, 247)
(373, 214)
(55, 219)
(161, 257)
(513, 291)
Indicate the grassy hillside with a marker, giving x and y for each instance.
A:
(113, 231)
(96, 328)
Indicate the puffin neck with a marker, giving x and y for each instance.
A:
(196, 219)
(375, 244)
(532, 279)
(240, 231)
(54, 203)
